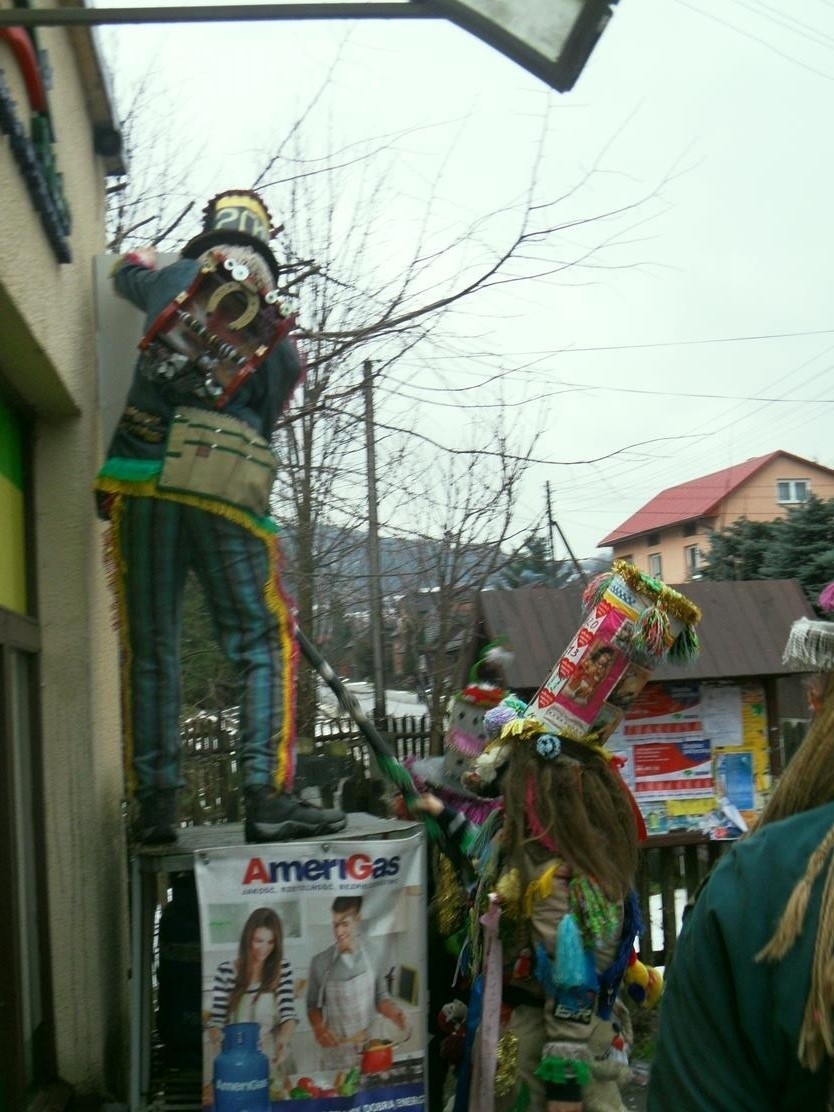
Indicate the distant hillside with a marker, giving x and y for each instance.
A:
(405, 565)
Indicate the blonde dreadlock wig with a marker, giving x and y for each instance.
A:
(807, 783)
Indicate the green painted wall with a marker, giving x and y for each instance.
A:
(12, 513)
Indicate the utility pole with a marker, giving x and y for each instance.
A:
(375, 585)
(551, 522)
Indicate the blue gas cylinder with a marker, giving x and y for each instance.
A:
(241, 1071)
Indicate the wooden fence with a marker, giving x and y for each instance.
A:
(338, 764)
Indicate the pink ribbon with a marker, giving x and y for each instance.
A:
(482, 1098)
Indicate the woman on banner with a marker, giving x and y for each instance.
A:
(257, 987)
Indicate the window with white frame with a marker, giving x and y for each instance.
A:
(655, 565)
(693, 560)
(791, 491)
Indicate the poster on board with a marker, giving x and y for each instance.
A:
(314, 976)
(673, 770)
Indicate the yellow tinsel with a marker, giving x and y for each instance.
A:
(671, 601)
(506, 1064)
(450, 901)
(508, 889)
(539, 889)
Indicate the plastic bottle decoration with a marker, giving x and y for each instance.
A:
(241, 1071)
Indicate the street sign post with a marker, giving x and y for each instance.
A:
(553, 39)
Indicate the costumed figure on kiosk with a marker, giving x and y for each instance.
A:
(752, 976)
(554, 915)
(186, 486)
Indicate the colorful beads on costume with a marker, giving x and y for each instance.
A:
(598, 917)
(548, 746)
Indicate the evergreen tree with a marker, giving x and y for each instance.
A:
(208, 680)
(738, 551)
(798, 546)
(801, 546)
(532, 565)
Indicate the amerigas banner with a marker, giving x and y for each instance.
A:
(313, 958)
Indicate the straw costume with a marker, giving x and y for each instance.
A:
(554, 915)
(186, 486)
(751, 990)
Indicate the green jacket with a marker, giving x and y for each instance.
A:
(729, 1025)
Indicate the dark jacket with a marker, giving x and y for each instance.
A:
(259, 402)
(729, 1025)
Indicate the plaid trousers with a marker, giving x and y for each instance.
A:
(155, 543)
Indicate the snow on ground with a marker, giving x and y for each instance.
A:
(656, 917)
(400, 704)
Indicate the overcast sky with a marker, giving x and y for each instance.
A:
(700, 328)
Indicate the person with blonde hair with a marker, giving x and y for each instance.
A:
(747, 1023)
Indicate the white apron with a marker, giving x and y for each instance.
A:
(349, 1008)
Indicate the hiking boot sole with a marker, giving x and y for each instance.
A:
(287, 831)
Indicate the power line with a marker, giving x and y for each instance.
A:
(755, 38)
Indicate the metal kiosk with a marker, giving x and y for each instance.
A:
(377, 845)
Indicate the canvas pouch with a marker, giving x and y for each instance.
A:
(217, 456)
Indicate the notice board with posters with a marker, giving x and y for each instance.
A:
(686, 746)
(329, 1013)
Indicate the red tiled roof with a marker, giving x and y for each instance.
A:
(697, 498)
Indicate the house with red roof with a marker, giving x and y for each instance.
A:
(668, 537)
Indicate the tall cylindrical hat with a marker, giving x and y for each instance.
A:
(632, 622)
(236, 216)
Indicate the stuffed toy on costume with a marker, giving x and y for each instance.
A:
(474, 718)
(643, 984)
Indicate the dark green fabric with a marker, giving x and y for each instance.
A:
(729, 1025)
(11, 447)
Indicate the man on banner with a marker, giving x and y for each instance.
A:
(345, 992)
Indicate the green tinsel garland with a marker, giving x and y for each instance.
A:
(559, 1071)
(522, 1101)
(597, 917)
(685, 647)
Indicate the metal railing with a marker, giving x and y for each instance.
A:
(672, 867)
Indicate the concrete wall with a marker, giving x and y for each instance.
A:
(47, 358)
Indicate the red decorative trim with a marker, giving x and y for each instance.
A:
(27, 59)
